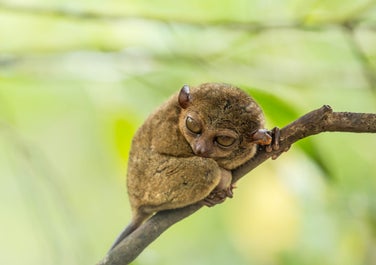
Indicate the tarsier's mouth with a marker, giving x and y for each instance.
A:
(209, 155)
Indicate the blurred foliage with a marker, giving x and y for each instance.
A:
(78, 77)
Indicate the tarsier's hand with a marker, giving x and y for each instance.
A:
(268, 139)
(274, 143)
(275, 137)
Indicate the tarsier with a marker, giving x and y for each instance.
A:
(185, 151)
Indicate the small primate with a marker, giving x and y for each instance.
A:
(185, 151)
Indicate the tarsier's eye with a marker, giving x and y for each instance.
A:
(225, 141)
(193, 125)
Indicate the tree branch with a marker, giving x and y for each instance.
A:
(314, 122)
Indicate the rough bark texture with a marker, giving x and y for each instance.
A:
(314, 122)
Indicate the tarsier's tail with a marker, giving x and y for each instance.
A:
(129, 229)
(126, 232)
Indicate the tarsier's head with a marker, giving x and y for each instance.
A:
(222, 122)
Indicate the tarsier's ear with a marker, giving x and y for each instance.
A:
(184, 97)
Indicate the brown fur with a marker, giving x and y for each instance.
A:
(170, 167)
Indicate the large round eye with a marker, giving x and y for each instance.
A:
(225, 141)
(193, 125)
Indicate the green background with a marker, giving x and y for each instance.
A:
(77, 78)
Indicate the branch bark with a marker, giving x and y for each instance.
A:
(314, 122)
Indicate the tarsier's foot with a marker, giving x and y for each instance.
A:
(218, 196)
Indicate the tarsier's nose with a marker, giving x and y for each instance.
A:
(200, 148)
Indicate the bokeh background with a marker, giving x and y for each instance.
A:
(78, 77)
